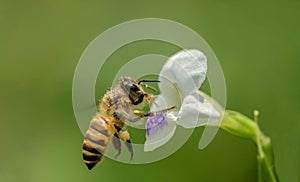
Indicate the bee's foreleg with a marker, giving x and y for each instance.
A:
(117, 144)
(123, 115)
(160, 112)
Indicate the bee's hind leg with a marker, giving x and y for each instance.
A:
(124, 135)
(129, 147)
(117, 144)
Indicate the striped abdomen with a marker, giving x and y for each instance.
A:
(96, 141)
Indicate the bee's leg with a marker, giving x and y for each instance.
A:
(149, 114)
(117, 144)
(138, 112)
(124, 135)
(123, 115)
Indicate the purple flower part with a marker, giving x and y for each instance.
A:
(155, 124)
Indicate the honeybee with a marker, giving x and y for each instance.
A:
(119, 104)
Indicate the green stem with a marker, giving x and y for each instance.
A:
(266, 168)
(239, 125)
(242, 126)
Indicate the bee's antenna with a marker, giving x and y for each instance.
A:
(149, 87)
(141, 81)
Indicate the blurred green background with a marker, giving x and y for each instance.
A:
(41, 42)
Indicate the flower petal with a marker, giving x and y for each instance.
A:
(155, 124)
(186, 69)
(196, 111)
(159, 130)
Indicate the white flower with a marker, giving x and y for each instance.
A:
(180, 79)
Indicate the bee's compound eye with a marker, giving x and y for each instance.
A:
(134, 88)
(131, 87)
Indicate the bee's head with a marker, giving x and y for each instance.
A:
(134, 89)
